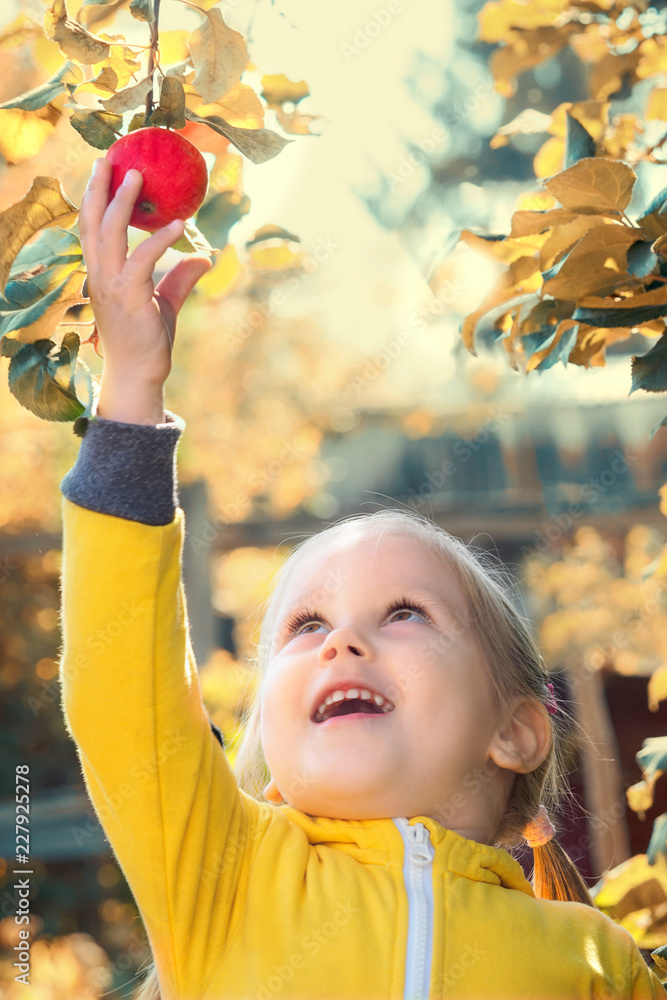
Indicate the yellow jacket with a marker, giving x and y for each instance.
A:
(244, 899)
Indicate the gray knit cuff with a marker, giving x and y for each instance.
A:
(127, 470)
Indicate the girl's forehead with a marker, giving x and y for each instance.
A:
(393, 558)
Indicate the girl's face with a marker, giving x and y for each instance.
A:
(391, 621)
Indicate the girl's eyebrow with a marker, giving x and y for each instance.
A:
(431, 598)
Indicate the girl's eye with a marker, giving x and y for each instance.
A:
(302, 620)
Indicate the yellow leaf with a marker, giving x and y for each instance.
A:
(274, 258)
(589, 45)
(73, 40)
(19, 31)
(621, 135)
(587, 269)
(218, 54)
(606, 76)
(663, 499)
(240, 106)
(564, 236)
(295, 122)
(522, 276)
(23, 133)
(653, 56)
(44, 204)
(593, 115)
(657, 104)
(123, 63)
(592, 343)
(657, 687)
(496, 19)
(523, 51)
(173, 47)
(633, 885)
(276, 89)
(130, 97)
(538, 356)
(525, 223)
(46, 54)
(655, 298)
(640, 797)
(223, 276)
(548, 160)
(506, 250)
(594, 184)
(227, 172)
(661, 569)
(104, 84)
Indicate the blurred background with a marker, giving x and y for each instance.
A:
(349, 391)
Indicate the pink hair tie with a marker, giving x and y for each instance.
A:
(550, 703)
(540, 830)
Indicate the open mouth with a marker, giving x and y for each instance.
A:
(352, 707)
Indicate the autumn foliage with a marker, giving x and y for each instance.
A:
(107, 87)
(580, 272)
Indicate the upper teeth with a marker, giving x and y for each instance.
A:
(351, 693)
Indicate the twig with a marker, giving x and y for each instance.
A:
(151, 57)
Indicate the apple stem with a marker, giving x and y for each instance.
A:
(151, 57)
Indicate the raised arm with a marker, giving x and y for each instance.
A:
(159, 781)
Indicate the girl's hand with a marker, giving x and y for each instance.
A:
(136, 321)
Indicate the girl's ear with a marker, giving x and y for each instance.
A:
(524, 739)
(271, 793)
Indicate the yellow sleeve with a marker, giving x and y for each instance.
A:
(159, 780)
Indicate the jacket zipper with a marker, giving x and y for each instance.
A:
(418, 875)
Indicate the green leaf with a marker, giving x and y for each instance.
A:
(192, 241)
(654, 218)
(641, 259)
(561, 351)
(656, 427)
(40, 96)
(652, 758)
(142, 10)
(608, 318)
(44, 382)
(536, 341)
(99, 128)
(649, 372)
(51, 247)
(658, 842)
(17, 319)
(137, 121)
(171, 108)
(659, 956)
(217, 216)
(258, 144)
(578, 142)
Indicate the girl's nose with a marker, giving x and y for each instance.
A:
(343, 640)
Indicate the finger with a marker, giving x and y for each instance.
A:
(112, 240)
(141, 262)
(93, 205)
(179, 282)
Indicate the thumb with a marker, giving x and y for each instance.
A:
(177, 283)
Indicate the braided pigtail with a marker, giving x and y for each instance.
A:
(555, 875)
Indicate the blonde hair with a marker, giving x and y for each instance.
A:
(505, 640)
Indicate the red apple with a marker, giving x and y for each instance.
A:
(174, 171)
(204, 138)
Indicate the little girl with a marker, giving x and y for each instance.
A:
(405, 736)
